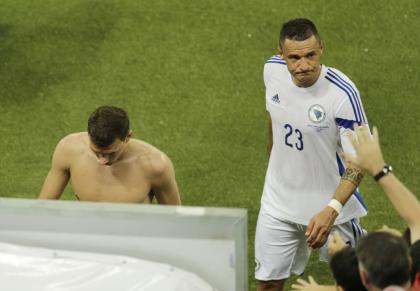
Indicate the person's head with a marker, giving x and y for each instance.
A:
(109, 133)
(415, 257)
(301, 47)
(383, 261)
(407, 236)
(345, 269)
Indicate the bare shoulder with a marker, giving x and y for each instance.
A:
(151, 159)
(73, 141)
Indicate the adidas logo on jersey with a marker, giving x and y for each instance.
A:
(275, 98)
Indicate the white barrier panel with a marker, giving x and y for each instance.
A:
(210, 242)
(37, 269)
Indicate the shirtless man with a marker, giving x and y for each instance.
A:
(106, 164)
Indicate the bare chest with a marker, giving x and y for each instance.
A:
(121, 182)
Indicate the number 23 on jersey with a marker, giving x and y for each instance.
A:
(293, 134)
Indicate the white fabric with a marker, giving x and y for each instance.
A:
(36, 269)
(281, 248)
(303, 170)
(336, 205)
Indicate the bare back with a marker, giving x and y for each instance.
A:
(142, 171)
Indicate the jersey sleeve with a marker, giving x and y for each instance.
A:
(350, 112)
(267, 76)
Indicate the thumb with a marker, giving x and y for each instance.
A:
(338, 237)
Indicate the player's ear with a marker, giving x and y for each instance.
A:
(321, 46)
(364, 278)
(279, 50)
(129, 135)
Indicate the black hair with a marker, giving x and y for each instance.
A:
(345, 269)
(415, 258)
(298, 29)
(385, 258)
(106, 124)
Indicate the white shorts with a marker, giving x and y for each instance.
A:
(281, 248)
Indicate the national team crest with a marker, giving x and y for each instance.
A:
(316, 113)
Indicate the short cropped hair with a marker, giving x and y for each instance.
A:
(385, 258)
(106, 124)
(345, 269)
(298, 29)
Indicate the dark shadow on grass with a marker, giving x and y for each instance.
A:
(32, 60)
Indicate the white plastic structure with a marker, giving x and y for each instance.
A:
(36, 269)
(209, 242)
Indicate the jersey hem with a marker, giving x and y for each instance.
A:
(291, 219)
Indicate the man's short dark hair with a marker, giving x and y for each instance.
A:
(345, 269)
(385, 258)
(298, 29)
(106, 124)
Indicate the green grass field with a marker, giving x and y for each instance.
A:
(190, 75)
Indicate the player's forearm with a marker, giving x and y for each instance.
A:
(403, 200)
(173, 199)
(349, 182)
(48, 192)
(344, 191)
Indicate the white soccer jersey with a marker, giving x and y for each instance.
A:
(309, 126)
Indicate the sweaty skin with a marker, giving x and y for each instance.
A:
(126, 171)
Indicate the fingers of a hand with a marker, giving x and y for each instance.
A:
(338, 237)
(349, 158)
(296, 287)
(333, 238)
(362, 132)
(352, 138)
(375, 134)
(309, 227)
(312, 280)
(320, 239)
(313, 234)
(302, 282)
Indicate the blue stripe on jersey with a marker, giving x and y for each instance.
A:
(341, 170)
(340, 165)
(348, 94)
(354, 230)
(357, 194)
(346, 123)
(356, 96)
(275, 62)
(276, 59)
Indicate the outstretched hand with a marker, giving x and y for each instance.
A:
(368, 151)
(302, 285)
(335, 244)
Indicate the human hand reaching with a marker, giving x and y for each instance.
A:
(368, 151)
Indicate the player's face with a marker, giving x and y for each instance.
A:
(303, 60)
(110, 154)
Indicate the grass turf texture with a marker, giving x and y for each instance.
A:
(190, 75)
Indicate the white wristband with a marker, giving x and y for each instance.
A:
(336, 205)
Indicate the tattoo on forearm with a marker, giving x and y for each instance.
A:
(353, 175)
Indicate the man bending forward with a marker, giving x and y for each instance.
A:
(106, 164)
